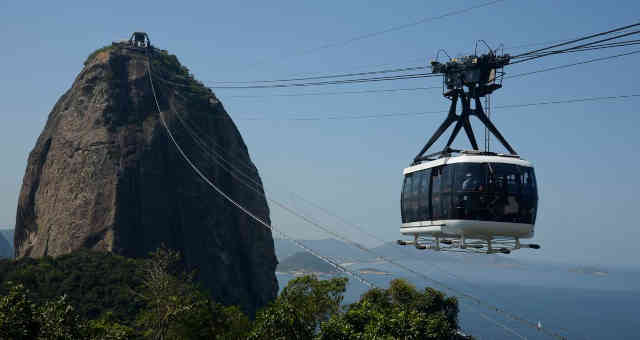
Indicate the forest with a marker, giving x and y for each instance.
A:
(95, 295)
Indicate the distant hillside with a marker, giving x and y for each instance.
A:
(589, 270)
(344, 252)
(337, 249)
(8, 234)
(6, 244)
(306, 262)
(394, 251)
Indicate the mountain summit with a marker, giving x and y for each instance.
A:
(105, 176)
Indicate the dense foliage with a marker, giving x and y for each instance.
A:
(399, 312)
(21, 318)
(89, 295)
(95, 53)
(94, 282)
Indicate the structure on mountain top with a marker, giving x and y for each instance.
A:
(140, 39)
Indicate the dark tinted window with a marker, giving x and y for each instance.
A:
(436, 180)
(424, 208)
(529, 199)
(514, 194)
(415, 196)
(446, 189)
(406, 198)
(507, 178)
(475, 191)
(471, 195)
(529, 182)
(470, 177)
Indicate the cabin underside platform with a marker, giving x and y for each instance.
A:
(438, 241)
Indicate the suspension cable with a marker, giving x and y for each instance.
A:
(572, 49)
(392, 29)
(333, 82)
(392, 262)
(424, 113)
(242, 208)
(217, 158)
(572, 64)
(160, 78)
(333, 93)
(577, 40)
(625, 43)
(395, 70)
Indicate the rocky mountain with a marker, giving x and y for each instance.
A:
(105, 176)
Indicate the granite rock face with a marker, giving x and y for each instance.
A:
(105, 176)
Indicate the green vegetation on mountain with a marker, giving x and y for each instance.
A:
(92, 295)
(96, 52)
(94, 282)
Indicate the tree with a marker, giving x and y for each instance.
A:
(172, 307)
(107, 328)
(175, 308)
(302, 305)
(59, 320)
(281, 321)
(94, 282)
(316, 300)
(20, 318)
(399, 312)
(18, 314)
(172, 301)
(230, 323)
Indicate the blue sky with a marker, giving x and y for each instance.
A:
(586, 154)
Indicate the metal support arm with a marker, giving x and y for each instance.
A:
(479, 112)
(443, 127)
(462, 121)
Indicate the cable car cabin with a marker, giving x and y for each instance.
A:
(471, 200)
(474, 201)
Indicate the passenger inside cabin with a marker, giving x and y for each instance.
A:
(471, 183)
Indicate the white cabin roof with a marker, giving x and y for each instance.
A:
(468, 158)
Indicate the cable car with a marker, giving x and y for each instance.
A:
(470, 201)
(470, 196)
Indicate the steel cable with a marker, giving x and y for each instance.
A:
(399, 265)
(242, 208)
(576, 40)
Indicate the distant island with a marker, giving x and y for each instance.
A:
(373, 271)
(304, 262)
(589, 271)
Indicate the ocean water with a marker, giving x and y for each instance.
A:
(572, 304)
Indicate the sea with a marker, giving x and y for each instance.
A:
(523, 300)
